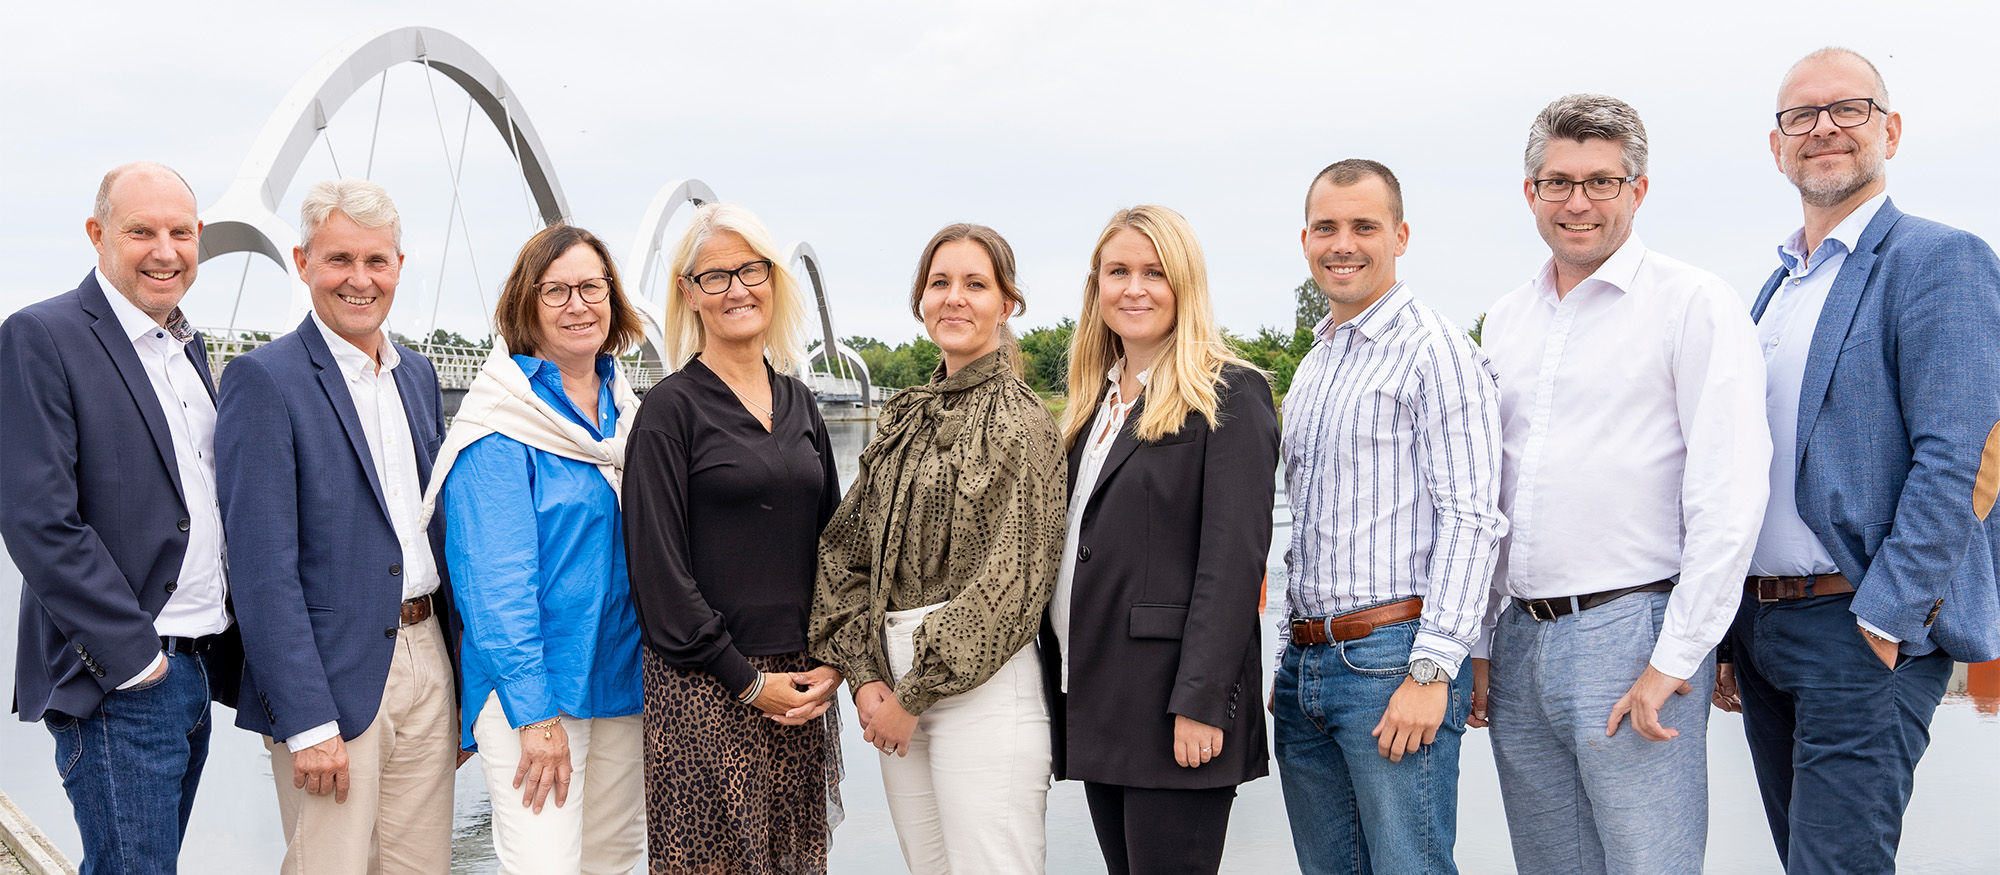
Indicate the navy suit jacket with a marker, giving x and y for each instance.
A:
(1898, 459)
(316, 562)
(94, 515)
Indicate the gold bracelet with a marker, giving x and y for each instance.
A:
(548, 727)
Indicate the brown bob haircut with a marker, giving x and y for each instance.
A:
(519, 314)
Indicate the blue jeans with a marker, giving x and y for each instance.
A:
(1578, 802)
(131, 769)
(1834, 734)
(1351, 809)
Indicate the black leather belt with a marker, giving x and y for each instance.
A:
(1546, 610)
(177, 644)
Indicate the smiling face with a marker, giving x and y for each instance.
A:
(352, 272)
(740, 315)
(1583, 233)
(574, 333)
(962, 305)
(148, 244)
(1832, 165)
(1352, 241)
(1133, 296)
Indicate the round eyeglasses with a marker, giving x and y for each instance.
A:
(715, 282)
(1850, 113)
(557, 294)
(1599, 188)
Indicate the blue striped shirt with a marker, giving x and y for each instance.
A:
(1392, 468)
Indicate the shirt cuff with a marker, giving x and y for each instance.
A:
(1446, 651)
(1864, 624)
(1678, 657)
(158, 658)
(302, 740)
(733, 671)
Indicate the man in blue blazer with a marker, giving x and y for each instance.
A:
(1875, 566)
(107, 461)
(325, 439)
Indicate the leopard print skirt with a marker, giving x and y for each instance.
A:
(728, 791)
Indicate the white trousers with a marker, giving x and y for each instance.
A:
(971, 795)
(600, 830)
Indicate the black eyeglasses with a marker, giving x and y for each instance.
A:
(715, 282)
(1850, 113)
(557, 294)
(1600, 188)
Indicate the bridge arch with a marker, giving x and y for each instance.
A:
(802, 253)
(645, 261)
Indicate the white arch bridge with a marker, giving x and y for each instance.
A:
(245, 218)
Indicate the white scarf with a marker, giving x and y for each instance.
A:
(501, 401)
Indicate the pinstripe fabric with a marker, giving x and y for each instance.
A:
(1392, 468)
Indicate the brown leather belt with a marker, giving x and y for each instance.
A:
(1307, 631)
(416, 610)
(1785, 589)
(1547, 610)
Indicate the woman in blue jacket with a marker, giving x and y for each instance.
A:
(535, 546)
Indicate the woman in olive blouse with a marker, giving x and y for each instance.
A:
(934, 572)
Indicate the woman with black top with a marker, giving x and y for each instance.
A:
(1151, 645)
(729, 478)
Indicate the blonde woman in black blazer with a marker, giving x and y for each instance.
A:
(1151, 645)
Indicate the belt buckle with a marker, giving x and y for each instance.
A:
(1300, 627)
(1537, 606)
(1761, 598)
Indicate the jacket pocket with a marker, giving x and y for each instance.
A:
(1158, 621)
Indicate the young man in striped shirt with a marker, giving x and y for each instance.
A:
(1392, 468)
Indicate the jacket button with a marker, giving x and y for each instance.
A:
(97, 671)
(182, 525)
(171, 586)
(395, 569)
(1083, 554)
(389, 632)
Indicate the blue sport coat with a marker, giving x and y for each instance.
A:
(93, 513)
(1899, 432)
(315, 561)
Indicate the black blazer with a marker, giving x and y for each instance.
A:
(93, 515)
(1163, 606)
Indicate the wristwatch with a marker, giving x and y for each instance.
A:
(1423, 671)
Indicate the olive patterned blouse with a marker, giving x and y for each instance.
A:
(959, 498)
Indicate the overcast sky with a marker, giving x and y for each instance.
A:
(862, 128)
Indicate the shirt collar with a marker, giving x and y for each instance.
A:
(351, 359)
(1620, 271)
(1372, 322)
(1793, 252)
(1118, 370)
(135, 322)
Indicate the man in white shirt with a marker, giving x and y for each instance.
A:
(107, 436)
(1632, 405)
(325, 439)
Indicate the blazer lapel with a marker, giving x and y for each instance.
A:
(1836, 316)
(334, 382)
(1764, 296)
(197, 353)
(414, 394)
(1121, 446)
(111, 333)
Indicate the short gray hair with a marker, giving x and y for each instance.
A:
(361, 201)
(1881, 94)
(101, 210)
(1583, 117)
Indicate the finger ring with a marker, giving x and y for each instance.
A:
(1207, 749)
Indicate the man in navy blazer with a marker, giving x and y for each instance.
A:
(1876, 564)
(325, 439)
(107, 458)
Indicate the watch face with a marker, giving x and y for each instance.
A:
(1423, 671)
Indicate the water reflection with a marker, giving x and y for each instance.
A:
(235, 825)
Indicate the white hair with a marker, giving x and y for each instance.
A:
(361, 201)
(785, 339)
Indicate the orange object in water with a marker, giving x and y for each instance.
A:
(1982, 680)
(1263, 594)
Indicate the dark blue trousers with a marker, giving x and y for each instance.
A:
(131, 769)
(1834, 734)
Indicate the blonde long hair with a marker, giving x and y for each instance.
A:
(1185, 377)
(785, 339)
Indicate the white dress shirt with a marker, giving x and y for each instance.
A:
(196, 606)
(379, 406)
(1103, 433)
(1785, 546)
(1636, 443)
(1391, 448)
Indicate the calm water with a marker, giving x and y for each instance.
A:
(235, 827)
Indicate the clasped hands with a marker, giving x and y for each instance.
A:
(796, 698)
(884, 723)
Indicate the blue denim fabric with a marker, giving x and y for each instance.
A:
(1834, 734)
(1578, 802)
(1351, 809)
(131, 769)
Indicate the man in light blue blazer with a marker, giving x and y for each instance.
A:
(1875, 566)
(324, 441)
